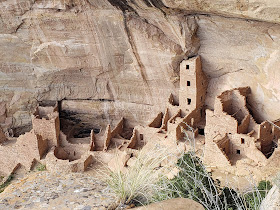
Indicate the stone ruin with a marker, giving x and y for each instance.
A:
(232, 135)
(226, 134)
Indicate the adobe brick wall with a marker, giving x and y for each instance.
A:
(48, 128)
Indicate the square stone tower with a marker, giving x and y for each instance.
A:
(193, 85)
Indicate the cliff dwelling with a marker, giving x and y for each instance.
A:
(232, 134)
(228, 134)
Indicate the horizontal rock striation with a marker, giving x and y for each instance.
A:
(120, 55)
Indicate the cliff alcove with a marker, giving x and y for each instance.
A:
(112, 72)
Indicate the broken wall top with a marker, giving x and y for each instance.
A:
(46, 110)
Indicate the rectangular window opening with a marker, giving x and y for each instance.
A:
(242, 141)
(141, 137)
(189, 101)
(238, 152)
(188, 83)
(187, 67)
(201, 131)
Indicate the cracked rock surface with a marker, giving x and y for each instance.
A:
(102, 58)
(43, 190)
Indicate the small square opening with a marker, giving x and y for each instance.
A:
(189, 101)
(242, 141)
(187, 67)
(201, 131)
(188, 83)
(238, 151)
(141, 137)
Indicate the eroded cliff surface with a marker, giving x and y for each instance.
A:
(107, 59)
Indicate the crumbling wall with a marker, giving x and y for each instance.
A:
(55, 164)
(256, 155)
(244, 126)
(118, 129)
(233, 103)
(266, 136)
(276, 130)
(224, 145)
(31, 146)
(174, 126)
(48, 128)
(273, 160)
(193, 118)
(133, 141)
(218, 124)
(107, 137)
(157, 121)
(145, 134)
(239, 144)
(165, 119)
(214, 156)
(172, 100)
(92, 143)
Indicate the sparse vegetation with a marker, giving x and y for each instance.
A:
(41, 167)
(195, 183)
(6, 183)
(253, 199)
(139, 183)
(142, 183)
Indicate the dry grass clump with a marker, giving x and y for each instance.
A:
(139, 183)
(144, 182)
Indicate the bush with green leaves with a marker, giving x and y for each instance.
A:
(253, 198)
(142, 183)
(194, 182)
(41, 167)
(6, 183)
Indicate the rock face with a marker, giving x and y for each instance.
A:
(108, 59)
(239, 53)
(56, 191)
(264, 10)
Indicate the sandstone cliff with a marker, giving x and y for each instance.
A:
(113, 58)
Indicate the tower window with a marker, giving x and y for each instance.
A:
(242, 141)
(189, 101)
(141, 137)
(187, 67)
(201, 131)
(188, 83)
(238, 152)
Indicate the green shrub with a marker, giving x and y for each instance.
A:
(195, 183)
(6, 183)
(41, 167)
(254, 198)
